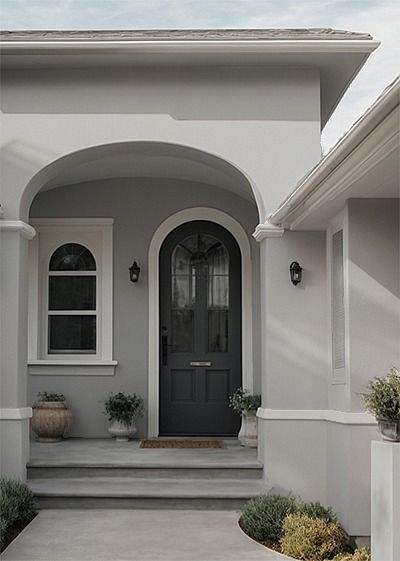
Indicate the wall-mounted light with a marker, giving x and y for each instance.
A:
(295, 272)
(134, 272)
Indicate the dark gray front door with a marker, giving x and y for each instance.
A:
(200, 330)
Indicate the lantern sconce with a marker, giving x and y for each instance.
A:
(295, 273)
(134, 272)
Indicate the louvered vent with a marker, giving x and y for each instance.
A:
(338, 318)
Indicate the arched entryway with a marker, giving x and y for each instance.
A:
(200, 330)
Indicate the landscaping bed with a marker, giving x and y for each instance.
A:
(304, 531)
(17, 509)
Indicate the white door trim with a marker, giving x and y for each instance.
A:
(237, 231)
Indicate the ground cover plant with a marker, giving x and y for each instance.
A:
(362, 554)
(306, 531)
(17, 509)
(311, 539)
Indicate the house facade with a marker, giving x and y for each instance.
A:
(176, 150)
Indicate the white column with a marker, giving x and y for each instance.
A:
(14, 413)
(385, 501)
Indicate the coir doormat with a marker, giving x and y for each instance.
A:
(181, 443)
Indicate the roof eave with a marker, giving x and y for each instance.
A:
(313, 183)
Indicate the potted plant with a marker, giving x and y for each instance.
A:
(245, 403)
(51, 419)
(383, 400)
(122, 410)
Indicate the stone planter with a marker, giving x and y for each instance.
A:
(248, 431)
(51, 420)
(389, 429)
(121, 431)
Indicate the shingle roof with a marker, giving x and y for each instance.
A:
(321, 34)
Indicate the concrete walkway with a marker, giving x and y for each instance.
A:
(136, 535)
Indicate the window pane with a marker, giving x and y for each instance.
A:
(72, 257)
(72, 293)
(72, 334)
(218, 331)
(182, 330)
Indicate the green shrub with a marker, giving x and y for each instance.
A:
(363, 554)
(382, 397)
(45, 396)
(312, 539)
(316, 510)
(243, 400)
(124, 408)
(263, 516)
(17, 508)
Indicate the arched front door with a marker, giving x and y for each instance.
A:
(200, 330)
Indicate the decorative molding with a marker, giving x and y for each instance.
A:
(15, 414)
(330, 415)
(267, 230)
(72, 368)
(25, 229)
(177, 219)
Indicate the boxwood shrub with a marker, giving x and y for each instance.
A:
(17, 509)
(263, 516)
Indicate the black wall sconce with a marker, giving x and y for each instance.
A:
(295, 272)
(134, 272)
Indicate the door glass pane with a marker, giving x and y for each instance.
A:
(72, 334)
(72, 257)
(218, 331)
(218, 298)
(72, 293)
(182, 331)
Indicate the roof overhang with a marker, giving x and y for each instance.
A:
(338, 60)
(365, 163)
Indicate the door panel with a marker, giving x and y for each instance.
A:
(200, 330)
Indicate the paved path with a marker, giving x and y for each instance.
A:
(136, 535)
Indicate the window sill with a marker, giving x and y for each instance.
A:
(72, 367)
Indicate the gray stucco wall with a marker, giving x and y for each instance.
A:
(138, 207)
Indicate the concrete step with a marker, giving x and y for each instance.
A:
(132, 492)
(147, 471)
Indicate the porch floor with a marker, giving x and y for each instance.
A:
(83, 452)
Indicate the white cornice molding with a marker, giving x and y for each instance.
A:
(23, 228)
(267, 230)
(330, 415)
(192, 46)
(15, 413)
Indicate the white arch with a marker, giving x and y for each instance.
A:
(172, 222)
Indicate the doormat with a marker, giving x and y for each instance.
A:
(183, 443)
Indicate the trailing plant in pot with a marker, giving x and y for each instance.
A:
(246, 404)
(123, 410)
(382, 399)
(51, 419)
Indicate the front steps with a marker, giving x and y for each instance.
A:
(148, 481)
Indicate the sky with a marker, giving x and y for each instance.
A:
(380, 18)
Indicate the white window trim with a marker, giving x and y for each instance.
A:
(39, 361)
(340, 222)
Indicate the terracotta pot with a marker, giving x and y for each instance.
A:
(51, 420)
(248, 431)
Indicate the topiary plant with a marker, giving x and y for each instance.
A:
(382, 397)
(17, 508)
(312, 539)
(124, 408)
(363, 554)
(45, 396)
(242, 400)
(263, 516)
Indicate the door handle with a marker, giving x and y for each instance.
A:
(200, 363)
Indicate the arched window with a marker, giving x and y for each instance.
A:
(72, 306)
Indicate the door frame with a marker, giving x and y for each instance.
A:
(237, 231)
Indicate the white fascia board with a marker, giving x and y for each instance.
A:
(313, 183)
(263, 46)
